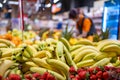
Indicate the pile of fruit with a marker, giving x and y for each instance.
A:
(56, 57)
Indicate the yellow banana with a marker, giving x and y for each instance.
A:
(7, 42)
(43, 70)
(31, 50)
(111, 48)
(89, 56)
(5, 65)
(68, 58)
(77, 51)
(41, 63)
(78, 57)
(26, 54)
(18, 72)
(59, 65)
(74, 47)
(102, 62)
(117, 63)
(85, 42)
(66, 43)
(85, 63)
(6, 73)
(2, 45)
(42, 54)
(31, 64)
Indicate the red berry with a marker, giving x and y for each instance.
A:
(93, 77)
(106, 68)
(72, 70)
(97, 69)
(72, 76)
(28, 77)
(36, 75)
(105, 75)
(82, 74)
(14, 77)
(99, 74)
(44, 76)
(90, 70)
(79, 70)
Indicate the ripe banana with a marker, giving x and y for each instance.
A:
(59, 65)
(7, 42)
(68, 58)
(85, 63)
(5, 65)
(43, 70)
(85, 42)
(6, 73)
(117, 63)
(41, 63)
(89, 56)
(102, 62)
(31, 64)
(42, 54)
(78, 57)
(26, 54)
(66, 43)
(111, 48)
(2, 45)
(31, 50)
(74, 47)
(77, 51)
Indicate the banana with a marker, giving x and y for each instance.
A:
(68, 58)
(77, 51)
(36, 47)
(23, 45)
(59, 50)
(59, 65)
(31, 64)
(13, 71)
(43, 70)
(114, 59)
(5, 58)
(110, 64)
(111, 48)
(2, 45)
(78, 57)
(18, 72)
(7, 42)
(41, 63)
(106, 42)
(10, 52)
(117, 63)
(6, 73)
(26, 54)
(89, 56)
(101, 62)
(85, 63)
(101, 56)
(25, 59)
(66, 43)
(85, 42)
(74, 47)
(5, 65)
(42, 54)
(19, 57)
(31, 50)
(51, 41)
(112, 54)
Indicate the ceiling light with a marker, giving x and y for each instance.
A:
(1, 5)
(55, 1)
(4, 1)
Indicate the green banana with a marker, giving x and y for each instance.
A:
(66, 43)
(26, 54)
(69, 58)
(5, 65)
(85, 63)
(89, 56)
(74, 47)
(7, 42)
(31, 64)
(101, 62)
(85, 42)
(18, 72)
(43, 70)
(78, 57)
(41, 63)
(59, 65)
(117, 63)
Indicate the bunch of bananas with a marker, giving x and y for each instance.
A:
(56, 56)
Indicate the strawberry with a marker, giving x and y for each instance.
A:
(106, 68)
(90, 70)
(28, 76)
(99, 74)
(93, 77)
(99, 79)
(0, 77)
(82, 74)
(97, 69)
(79, 70)
(44, 76)
(77, 77)
(50, 77)
(14, 77)
(105, 75)
(36, 75)
(72, 70)
(71, 76)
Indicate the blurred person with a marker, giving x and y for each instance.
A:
(84, 24)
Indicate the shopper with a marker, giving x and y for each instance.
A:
(84, 24)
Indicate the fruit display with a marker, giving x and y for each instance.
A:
(55, 58)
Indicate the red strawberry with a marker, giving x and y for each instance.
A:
(99, 79)
(44, 76)
(36, 75)
(106, 68)
(97, 69)
(79, 70)
(28, 76)
(93, 77)
(99, 74)
(50, 77)
(72, 76)
(90, 70)
(105, 75)
(77, 77)
(72, 70)
(82, 74)
(0, 77)
(14, 77)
